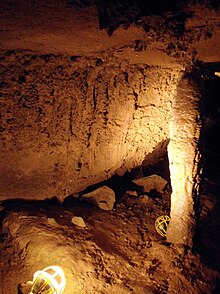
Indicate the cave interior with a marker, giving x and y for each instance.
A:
(110, 119)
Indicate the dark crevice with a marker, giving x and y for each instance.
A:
(207, 232)
(94, 97)
(135, 100)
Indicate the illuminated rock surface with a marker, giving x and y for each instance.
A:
(68, 125)
(184, 158)
(80, 106)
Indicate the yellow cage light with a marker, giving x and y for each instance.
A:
(161, 224)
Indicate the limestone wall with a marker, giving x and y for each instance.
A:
(69, 122)
(184, 158)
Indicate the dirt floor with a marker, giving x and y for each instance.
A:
(116, 252)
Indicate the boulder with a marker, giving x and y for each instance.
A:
(153, 182)
(103, 197)
(78, 221)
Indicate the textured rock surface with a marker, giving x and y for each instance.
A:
(77, 106)
(68, 124)
(184, 158)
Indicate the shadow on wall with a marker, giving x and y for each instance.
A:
(155, 163)
(113, 13)
(207, 238)
(212, 129)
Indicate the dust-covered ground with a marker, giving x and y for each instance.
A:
(117, 251)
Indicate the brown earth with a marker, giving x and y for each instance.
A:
(118, 251)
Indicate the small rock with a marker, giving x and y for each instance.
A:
(132, 193)
(51, 221)
(103, 197)
(78, 221)
(153, 182)
(143, 199)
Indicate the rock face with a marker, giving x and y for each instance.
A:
(77, 106)
(69, 123)
(184, 158)
(103, 197)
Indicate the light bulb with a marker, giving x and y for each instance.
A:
(50, 280)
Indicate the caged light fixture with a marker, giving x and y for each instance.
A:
(50, 280)
(161, 224)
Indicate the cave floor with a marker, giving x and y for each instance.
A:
(118, 251)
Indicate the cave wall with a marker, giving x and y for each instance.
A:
(185, 155)
(68, 122)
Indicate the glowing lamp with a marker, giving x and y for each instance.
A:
(48, 281)
(161, 224)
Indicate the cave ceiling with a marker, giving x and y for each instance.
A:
(151, 32)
